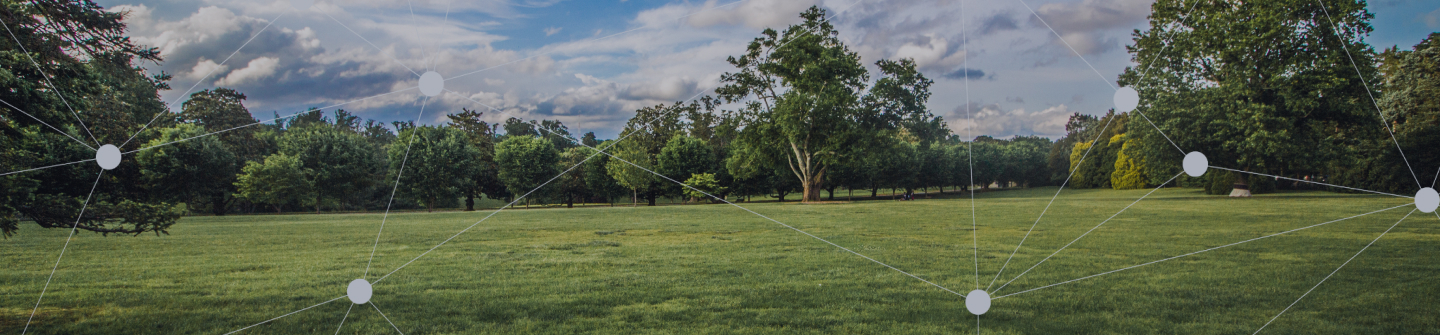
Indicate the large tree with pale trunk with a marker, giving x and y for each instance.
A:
(805, 99)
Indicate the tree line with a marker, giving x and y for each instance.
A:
(799, 115)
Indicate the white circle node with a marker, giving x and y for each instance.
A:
(978, 302)
(302, 4)
(431, 84)
(108, 156)
(1426, 200)
(359, 291)
(1196, 164)
(1126, 99)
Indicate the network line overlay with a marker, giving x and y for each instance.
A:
(977, 302)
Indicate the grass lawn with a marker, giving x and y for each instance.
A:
(718, 269)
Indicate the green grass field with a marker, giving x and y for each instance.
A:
(718, 269)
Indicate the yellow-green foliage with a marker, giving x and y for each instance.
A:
(1128, 174)
(705, 182)
(1075, 154)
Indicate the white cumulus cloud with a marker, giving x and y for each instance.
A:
(258, 68)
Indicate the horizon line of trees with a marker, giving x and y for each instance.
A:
(1282, 100)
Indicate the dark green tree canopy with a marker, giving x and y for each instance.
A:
(483, 136)
(222, 110)
(200, 171)
(526, 162)
(803, 89)
(1255, 85)
(73, 64)
(340, 163)
(598, 181)
(684, 156)
(434, 163)
(277, 181)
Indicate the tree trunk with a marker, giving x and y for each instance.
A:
(813, 186)
(218, 205)
(1241, 189)
(809, 193)
(874, 191)
(470, 202)
(650, 198)
(810, 173)
(317, 204)
(634, 197)
(570, 202)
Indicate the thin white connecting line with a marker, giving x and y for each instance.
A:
(599, 151)
(267, 121)
(1198, 252)
(1052, 202)
(1157, 129)
(201, 80)
(342, 319)
(487, 217)
(593, 40)
(398, 174)
(1150, 66)
(1166, 46)
(435, 60)
(46, 167)
(1361, 77)
(1436, 179)
(1087, 151)
(962, 296)
(532, 191)
(415, 29)
(517, 199)
(1332, 273)
(1067, 45)
(432, 63)
(47, 81)
(87, 145)
(1307, 181)
(382, 51)
(969, 155)
(387, 319)
(1077, 239)
(286, 314)
(62, 251)
(970, 152)
(602, 151)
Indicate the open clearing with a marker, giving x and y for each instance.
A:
(718, 269)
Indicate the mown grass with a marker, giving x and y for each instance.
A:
(717, 269)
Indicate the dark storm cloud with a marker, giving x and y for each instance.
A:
(997, 23)
(963, 73)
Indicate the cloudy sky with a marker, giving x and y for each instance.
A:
(590, 64)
